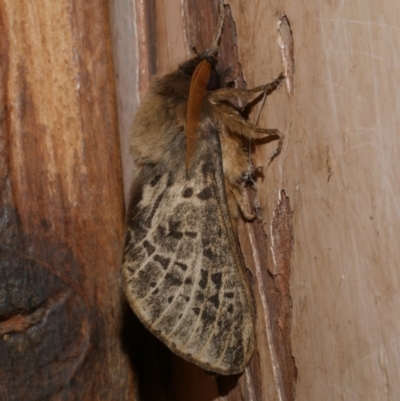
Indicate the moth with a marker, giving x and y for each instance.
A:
(182, 271)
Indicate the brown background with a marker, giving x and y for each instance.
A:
(61, 205)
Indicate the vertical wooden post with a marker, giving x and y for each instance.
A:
(61, 206)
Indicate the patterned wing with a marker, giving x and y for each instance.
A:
(181, 272)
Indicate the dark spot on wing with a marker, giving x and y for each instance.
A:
(136, 225)
(173, 225)
(196, 311)
(164, 262)
(238, 354)
(155, 180)
(205, 194)
(173, 229)
(159, 234)
(208, 253)
(208, 315)
(230, 308)
(188, 280)
(143, 280)
(199, 297)
(228, 294)
(183, 266)
(217, 280)
(204, 278)
(171, 180)
(175, 234)
(129, 243)
(214, 300)
(170, 299)
(205, 242)
(172, 280)
(187, 193)
(153, 284)
(130, 269)
(191, 234)
(149, 248)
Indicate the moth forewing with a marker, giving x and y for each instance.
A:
(182, 271)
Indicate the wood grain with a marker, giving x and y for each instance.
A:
(339, 170)
(61, 206)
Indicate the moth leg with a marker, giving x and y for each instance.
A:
(245, 128)
(237, 194)
(224, 94)
(271, 132)
(278, 149)
(253, 130)
(234, 123)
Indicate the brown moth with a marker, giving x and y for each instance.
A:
(182, 272)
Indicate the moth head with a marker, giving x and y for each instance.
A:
(188, 67)
(175, 85)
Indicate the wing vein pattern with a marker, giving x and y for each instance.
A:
(182, 272)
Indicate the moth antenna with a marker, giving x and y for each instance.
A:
(214, 48)
(197, 91)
